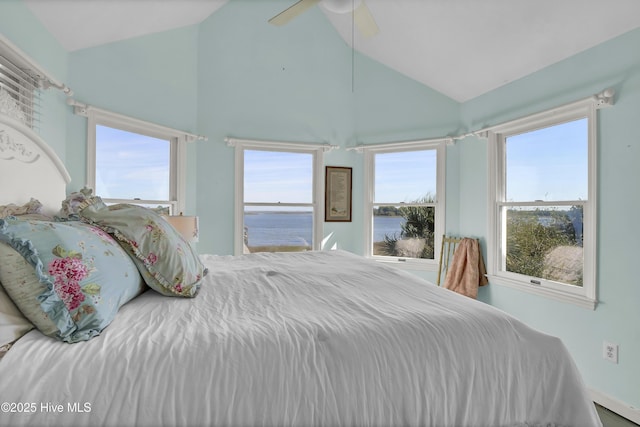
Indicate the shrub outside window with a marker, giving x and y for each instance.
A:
(405, 202)
(542, 236)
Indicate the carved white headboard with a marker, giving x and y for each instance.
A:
(28, 166)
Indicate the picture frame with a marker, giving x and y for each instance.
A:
(337, 194)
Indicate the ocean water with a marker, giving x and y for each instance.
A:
(295, 229)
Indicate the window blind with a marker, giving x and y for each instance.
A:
(17, 83)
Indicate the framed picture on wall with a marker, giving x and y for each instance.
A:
(337, 194)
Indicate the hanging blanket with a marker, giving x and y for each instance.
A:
(467, 271)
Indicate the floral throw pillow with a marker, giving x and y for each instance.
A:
(69, 279)
(168, 263)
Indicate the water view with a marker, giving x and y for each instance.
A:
(295, 228)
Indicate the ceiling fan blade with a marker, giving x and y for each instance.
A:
(292, 11)
(364, 21)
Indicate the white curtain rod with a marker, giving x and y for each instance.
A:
(45, 80)
(84, 110)
(401, 144)
(232, 142)
(601, 99)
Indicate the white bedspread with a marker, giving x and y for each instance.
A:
(314, 338)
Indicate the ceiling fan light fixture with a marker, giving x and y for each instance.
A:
(340, 6)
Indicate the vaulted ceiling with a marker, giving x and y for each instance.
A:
(461, 48)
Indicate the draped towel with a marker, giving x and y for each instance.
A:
(466, 271)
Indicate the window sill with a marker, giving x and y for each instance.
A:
(579, 300)
(408, 263)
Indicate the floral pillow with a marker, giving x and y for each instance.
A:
(69, 279)
(168, 263)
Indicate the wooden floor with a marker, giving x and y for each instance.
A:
(611, 419)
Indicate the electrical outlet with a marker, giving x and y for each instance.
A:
(610, 352)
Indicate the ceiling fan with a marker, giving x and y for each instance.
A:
(361, 15)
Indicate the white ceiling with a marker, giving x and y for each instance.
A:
(461, 48)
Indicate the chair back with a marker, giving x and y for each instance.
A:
(449, 245)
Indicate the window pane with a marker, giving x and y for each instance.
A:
(130, 165)
(275, 176)
(549, 164)
(274, 229)
(546, 242)
(406, 176)
(404, 231)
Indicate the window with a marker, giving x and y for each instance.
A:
(277, 188)
(132, 161)
(20, 88)
(543, 204)
(405, 202)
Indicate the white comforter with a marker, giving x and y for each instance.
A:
(315, 338)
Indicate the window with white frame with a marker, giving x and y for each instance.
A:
(132, 161)
(542, 202)
(405, 201)
(277, 192)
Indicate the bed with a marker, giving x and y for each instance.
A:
(324, 338)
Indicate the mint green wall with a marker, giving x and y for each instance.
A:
(293, 83)
(152, 78)
(617, 317)
(235, 75)
(24, 30)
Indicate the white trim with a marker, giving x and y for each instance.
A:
(602, 99)
(278, 145)
(90, 178)
(238, 223)
(178, 186)
(439, 145)
(577, 299)
(368, 195)
(411, 264)
(318, 198)
(590, 232)
(402, 145)
(584, 296)
(553, 115)
(615, 405)
(316, 150)
(136, 125)
(177, 158)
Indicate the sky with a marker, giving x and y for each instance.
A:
(405, 176)
(275, 176)
(130, 165)
(549, 164)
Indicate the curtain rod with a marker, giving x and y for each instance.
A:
(45, 80)
(602, 99)
(84, 110)
(401, 144)
(232, 142)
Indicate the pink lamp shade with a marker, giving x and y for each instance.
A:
(186, 225)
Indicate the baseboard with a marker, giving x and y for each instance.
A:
(620, 408)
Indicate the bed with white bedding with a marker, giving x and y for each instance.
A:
(322, 338)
